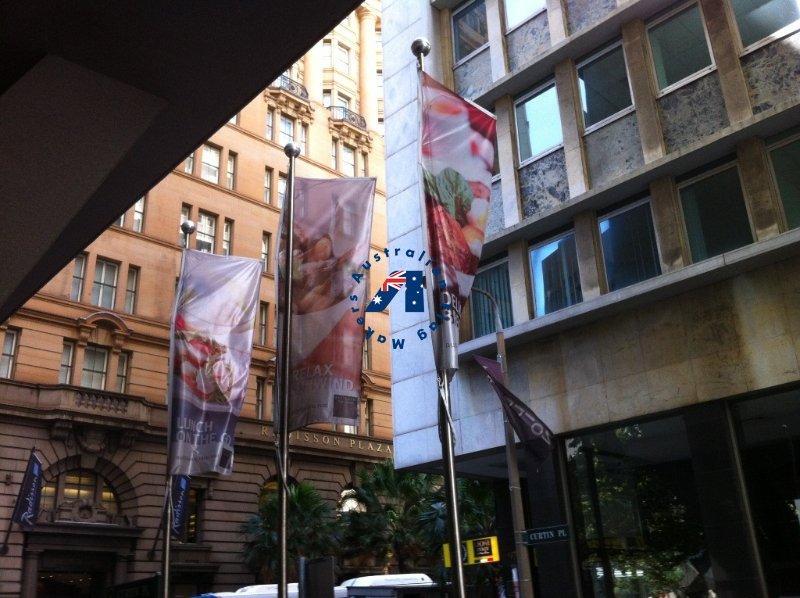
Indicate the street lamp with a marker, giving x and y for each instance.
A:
(514, 487)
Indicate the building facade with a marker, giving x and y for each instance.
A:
(643, 248)
(83, 372)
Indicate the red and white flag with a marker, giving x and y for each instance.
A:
(332, 227)
(457, 157)
(212, 339)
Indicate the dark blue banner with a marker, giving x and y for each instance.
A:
(180, 504)
(27, 510)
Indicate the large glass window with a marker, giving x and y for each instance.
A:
(758, 19)
(206, 232)
(469, 29)
(518, 11)
(95, 367)
(786, 166)
(210, 166)
(636, 511)
(554, 272)
(769, 441)
(603, 83)
(493, 280)
(679, 46)
(629, 246)
(715, 214)
(538, 123)
(9, 355)
(79, 484)
(104, 289)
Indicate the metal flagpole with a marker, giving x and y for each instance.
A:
(514, 485)
(187, 227)
(420, 48)
(282, 438)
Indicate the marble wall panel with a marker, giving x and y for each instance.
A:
(773, 73)
(527, 41)
(582, 14)
(474, 76)
(496, 221)
(692, 112)
(543, 184)
(613, 150)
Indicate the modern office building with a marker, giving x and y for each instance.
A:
(83, 372)
(643, 248)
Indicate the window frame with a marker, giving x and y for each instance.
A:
(78, 278)
(535, 13)
(771, 147)
(536, 91)
(230, 171)
(661, 19)
(453, 31)
(67, 368)
(9, 354)
(131, 288)
(266, 250)
(102, 285)
(776, 35)
(282, 135)
(543, 243)
(211, 148)
(482, 269)
(94, 373)
(200, 231)
(138, 215)
(268, 184)
(620, 113)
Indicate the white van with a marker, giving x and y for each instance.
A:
(391, 580)
(268, 591)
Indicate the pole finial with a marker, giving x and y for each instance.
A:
(188, 227)
(420, 47)
(292, 150)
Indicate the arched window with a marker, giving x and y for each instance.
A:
(80, 493)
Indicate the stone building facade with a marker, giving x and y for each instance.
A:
(643, 246)
(83, 372)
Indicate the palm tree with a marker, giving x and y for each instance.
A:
(312, 532)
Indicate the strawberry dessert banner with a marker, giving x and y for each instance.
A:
(332, 225)
(212, 338)
(457, 158)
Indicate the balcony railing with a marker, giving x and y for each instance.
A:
(292, 86)
(342, 114)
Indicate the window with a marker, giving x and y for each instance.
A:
(206, 232)
(266, 239)
(122, 372)
(715, 214)
(287, 130)
(234, 119)
(131, 288)
(343, 58)
(210, 170)
(603, 83)
(786, 166)
(9, 355)
(326, 98)
(554, 273)
(120, 221)
(538, 123)
(334, 154)
(138, 215)
(227, 236)
(281, 189)
(270, 125)
(261, 385)
(95, 367)
(364, 164)
(263, 315)
(494, 281)
(303, 139)
(469, 29)
(78, 273)
(104, 289)
(188, 164)
(679, 46)
(79, 484)
(186, 215)
(366, 356)
(327, 54)
(230, 172)
(268, 185)
(629, 246)
(67, 361)
(348, 161)
(758, 19)
(518, 11)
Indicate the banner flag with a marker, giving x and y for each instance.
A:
(180, 504)
(26, 510)
(533, 432)
(332, 227)
(212, 338)
(457, 158)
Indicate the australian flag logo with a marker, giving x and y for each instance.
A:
(412, 280)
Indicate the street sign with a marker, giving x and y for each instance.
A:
(476, 551)
(544, 535)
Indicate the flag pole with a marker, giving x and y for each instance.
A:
(420, 48)
(187, 227)
(291, 150)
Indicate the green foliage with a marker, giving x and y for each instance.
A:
(313, 532)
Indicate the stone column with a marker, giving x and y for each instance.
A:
(758, 189)
(506, 158)
(569, 107)
(312, 75)
(519, 279)
(497, 54)
(367, 67)
(665, 202)
(726, 56)
(590, 259)
(643, 88)
(557, 21)
(30, 573)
